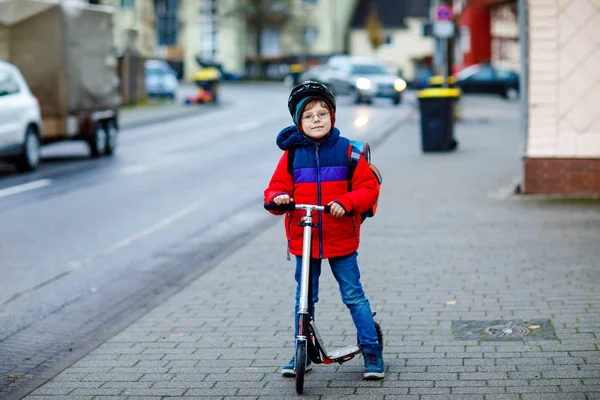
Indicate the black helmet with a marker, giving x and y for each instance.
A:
(305, 90)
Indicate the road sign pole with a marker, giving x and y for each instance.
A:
(443, 28)
(445, 61)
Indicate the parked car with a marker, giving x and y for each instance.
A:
(365, 80)
(320, 73)
(484, 78)
(161, 79)
(20, 120)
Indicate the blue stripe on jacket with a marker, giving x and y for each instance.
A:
(328, 174)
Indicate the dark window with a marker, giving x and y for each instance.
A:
(505, 75)
(483, 75)
(127, 3)
(167, 23)
(365, 69)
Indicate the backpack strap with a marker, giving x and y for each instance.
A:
(353, 162)
(290, 165)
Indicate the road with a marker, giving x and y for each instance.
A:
(87, 246)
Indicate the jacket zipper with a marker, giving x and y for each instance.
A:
(319, 201)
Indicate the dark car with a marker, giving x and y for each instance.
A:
(483, 78)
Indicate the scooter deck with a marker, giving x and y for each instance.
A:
(344, 351)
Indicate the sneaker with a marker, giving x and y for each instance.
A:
(374, 369)
(289, 369)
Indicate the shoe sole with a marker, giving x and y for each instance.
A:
(374, 376)
(291, 373)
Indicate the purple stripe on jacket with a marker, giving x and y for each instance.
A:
(328, 174)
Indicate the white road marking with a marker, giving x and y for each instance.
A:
(247, 126)
(138, 236)
(24, 187)
(135, 169)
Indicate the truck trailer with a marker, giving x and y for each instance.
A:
(65, 51)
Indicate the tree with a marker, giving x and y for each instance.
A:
(259, 15)
(374, 28)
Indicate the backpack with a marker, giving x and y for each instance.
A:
(359, 147)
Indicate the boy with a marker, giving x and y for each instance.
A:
(317, 174)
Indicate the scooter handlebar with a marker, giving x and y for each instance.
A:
(272, 206)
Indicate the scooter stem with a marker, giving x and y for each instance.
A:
(303, 304)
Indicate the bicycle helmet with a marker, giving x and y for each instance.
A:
(303, 93)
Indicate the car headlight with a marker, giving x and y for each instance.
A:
(399, 85)
(363, 83)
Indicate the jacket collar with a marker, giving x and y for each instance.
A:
(291, 137)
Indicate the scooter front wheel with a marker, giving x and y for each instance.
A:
(300, 366)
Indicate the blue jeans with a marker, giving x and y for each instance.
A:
(346, 273)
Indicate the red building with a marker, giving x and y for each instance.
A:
(487, 32)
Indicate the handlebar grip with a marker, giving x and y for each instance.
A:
(280, 207)
(272, 206)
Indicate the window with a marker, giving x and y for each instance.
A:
(127, 3)
(167, 22)
(210, 26)
(505, 75)
(388, 40)
(366, 69)
(309, 2)
(483, 75)
(271, 43)
(8, 84)
(310, 35)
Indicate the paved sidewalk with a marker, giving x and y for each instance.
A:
(449, 245)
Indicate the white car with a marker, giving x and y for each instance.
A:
(20, 120)
(364, 79)
(161, 79)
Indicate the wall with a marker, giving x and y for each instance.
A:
(4, 44)
(407, 45)
(563, 141)
(505, 37)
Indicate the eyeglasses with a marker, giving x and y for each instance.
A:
(310, 117)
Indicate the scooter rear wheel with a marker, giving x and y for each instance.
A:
(300, 366)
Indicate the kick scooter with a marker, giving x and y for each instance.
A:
(309, 343)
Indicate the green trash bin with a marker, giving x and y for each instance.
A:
(436, 107)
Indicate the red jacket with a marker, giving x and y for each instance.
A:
(320, 180)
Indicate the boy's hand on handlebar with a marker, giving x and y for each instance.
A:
(282, 199)
(336, 209)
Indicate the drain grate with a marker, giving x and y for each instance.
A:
(506, 331)
(539, 329)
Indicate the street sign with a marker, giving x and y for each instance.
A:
(442, 13)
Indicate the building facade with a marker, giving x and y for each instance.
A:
(134, 25)
(222, 32)
(563, 132)
(405, 48)
(487, 32)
